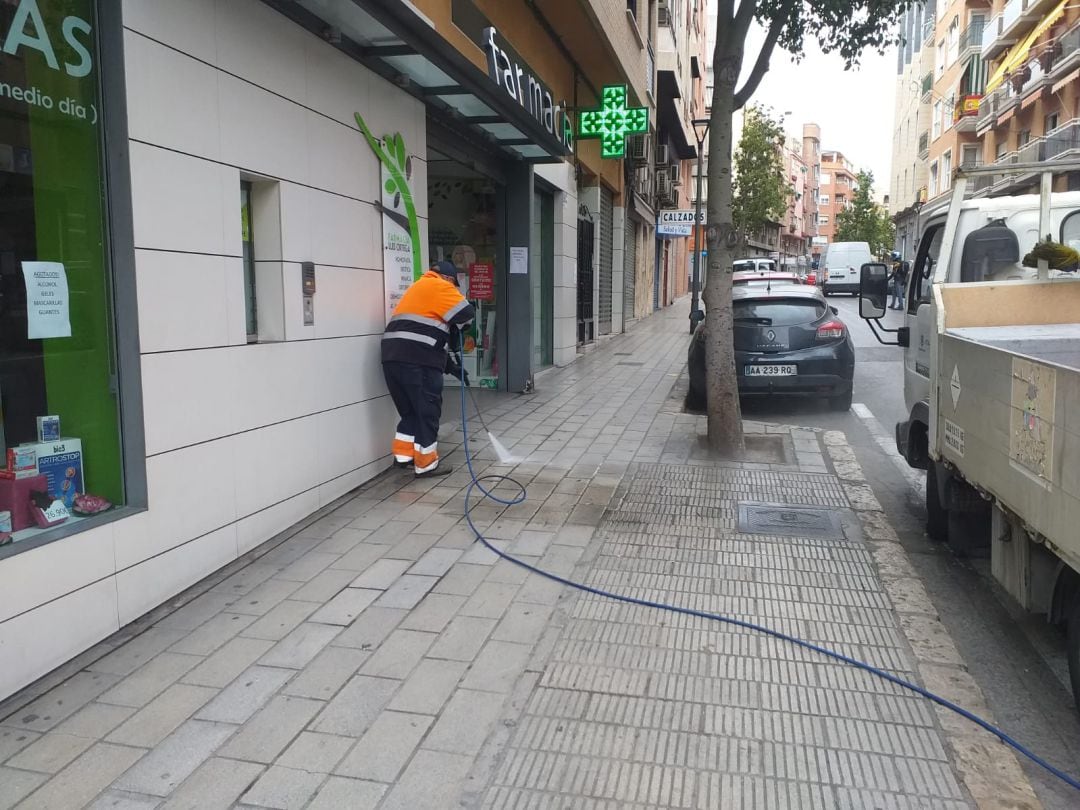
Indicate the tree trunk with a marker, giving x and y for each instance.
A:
(722, 385)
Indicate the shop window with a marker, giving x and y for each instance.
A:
(60, 438)
(248, 241)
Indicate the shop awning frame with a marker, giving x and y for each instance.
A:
(403, 47)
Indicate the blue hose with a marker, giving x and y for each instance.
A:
(477, 484)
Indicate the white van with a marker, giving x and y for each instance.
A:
(755, 265)
(842, 265)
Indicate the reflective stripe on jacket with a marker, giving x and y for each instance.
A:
(419, 329)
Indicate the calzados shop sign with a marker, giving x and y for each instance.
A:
(528, 91)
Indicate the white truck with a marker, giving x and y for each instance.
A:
(992, 385)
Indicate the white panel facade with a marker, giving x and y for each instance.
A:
(242, 440)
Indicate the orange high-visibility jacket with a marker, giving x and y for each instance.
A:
(419, 330)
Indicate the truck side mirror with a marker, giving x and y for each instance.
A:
(873, 291)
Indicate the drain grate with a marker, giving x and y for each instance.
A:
(789, 521)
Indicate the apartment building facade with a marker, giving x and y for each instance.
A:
(802, 168)
(234, 193)
(1031, 112)
(911, 121)
(837, 187)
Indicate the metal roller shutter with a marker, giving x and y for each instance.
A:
(606, 235)
(630, 270)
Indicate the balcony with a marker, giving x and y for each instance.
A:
(1063, 142)
(924, 145)
(650, 73)
(1066, 54)
(971, 40)
(966, 113)
(927, 86)
(994, 41)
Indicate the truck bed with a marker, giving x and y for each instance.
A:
(1057, 343)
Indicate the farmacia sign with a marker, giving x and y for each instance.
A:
(523, 87)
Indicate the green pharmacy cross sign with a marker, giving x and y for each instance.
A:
(613, 122)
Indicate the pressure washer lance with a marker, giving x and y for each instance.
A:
(504, 455)
(715, 617)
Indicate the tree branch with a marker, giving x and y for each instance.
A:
(761, 66)
(726, 12)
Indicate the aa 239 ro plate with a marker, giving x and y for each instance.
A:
(772, 370)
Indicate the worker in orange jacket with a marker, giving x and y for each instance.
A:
(418, 347)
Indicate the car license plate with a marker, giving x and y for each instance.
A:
(770, 371)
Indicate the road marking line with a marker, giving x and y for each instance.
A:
(916, 478)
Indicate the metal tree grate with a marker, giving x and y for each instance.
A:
(789, 521)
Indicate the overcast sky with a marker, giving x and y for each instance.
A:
(853, 107)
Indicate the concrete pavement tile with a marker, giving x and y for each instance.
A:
(14, 740)
(84, 778)
(361, 558)
(175, 759)
(480, 554)
(283, 788)
(462, 639)
(412, 547)
(305, 568)
(323, 587)
(497, 667)
(435, 562)
(162, 716)
(95, 720)
(343, 609)
(511, 573)
(119, 800)
(209, 636)
(343, 540)
(246, 695)
(532, 543)
(523, 623)
(354, 794)
(247, 578)
(17, 785)
(314, 752)
(323, 677)
(297, 649)
(264, 598)
(381, 574)
(51, 753)
(270, 731)
(215, 785)
(280, 620)
(355, 707)
(433, 779)
(465, 722)
(433, 613)
(386, 747)
(407, 592)
(150, 680)
(459, 537)
(490, 600)
(540, 591)
(133, 654)
(428, 687)
(369, 630)
(60, 703)
(462, 580)
(389, 534)
(398, 655)
(223, 667)
(198, 611)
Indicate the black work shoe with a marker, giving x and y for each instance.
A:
(402, 465)
(438, 472)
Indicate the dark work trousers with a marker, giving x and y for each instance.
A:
(417, 395)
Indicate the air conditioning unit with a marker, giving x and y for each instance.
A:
(676, 174)
(663, 15)
(639, 149)
(663, 155)
(664, 189)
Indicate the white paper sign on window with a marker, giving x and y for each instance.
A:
(47, 300)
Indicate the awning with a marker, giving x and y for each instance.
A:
(1019, 52)
(1060, 85)
(1027, 102)
(396, 41)
(1006, 116)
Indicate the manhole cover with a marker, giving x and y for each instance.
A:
(789, 521)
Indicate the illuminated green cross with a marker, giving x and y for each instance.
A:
(613, 122)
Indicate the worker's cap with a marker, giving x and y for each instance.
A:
(447, 270)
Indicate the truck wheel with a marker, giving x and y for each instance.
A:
(969, 520)
(937, 516)
(1073, 649)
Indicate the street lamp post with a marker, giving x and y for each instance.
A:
(701, 131)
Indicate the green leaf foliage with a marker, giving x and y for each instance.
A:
(864, 220)
(760, 187)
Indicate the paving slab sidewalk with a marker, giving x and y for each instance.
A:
(378, 658)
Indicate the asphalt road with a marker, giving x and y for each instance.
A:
(1016, 658)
